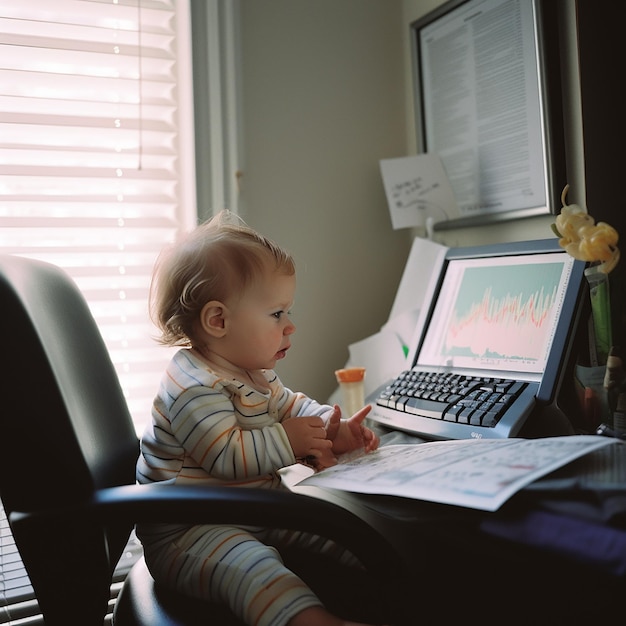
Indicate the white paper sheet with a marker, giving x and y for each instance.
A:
(418, 188)
(479, 474)
(383, 355)
(424, 262)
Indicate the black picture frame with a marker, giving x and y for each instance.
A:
(489, 101)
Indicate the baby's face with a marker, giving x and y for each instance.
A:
(258, 325)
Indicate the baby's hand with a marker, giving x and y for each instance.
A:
(307, 436)
(351, 434)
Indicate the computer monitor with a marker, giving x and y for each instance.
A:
(498, 315)
(505, 310)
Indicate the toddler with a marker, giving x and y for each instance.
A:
(222, 417)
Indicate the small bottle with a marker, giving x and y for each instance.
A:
(350, 382)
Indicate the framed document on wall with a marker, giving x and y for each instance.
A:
(488, 102)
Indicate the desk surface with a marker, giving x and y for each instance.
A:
(518, 558)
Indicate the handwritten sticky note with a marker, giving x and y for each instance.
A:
(417, 188)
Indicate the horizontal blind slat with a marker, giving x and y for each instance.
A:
(122, 15)
(155, 42)
(90, 158)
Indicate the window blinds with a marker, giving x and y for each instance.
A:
(96, 165)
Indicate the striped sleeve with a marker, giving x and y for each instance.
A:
(205, 422)
(294, 404)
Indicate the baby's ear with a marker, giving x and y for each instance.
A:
(212, 318)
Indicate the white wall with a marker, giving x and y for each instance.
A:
(323, 101)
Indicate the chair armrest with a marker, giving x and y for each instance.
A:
(227, 505)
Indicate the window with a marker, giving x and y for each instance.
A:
(96, 156)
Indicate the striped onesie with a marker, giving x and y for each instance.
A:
(208, 429)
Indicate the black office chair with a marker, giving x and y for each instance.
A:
(67, 479)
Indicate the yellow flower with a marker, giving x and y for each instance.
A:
(584, 239)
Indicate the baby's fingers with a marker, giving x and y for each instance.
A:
(320, 446)
(322, 459)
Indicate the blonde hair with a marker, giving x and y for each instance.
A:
(215, 261)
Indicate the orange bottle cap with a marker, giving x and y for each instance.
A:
(350, 375)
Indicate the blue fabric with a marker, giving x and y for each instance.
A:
(588, 542)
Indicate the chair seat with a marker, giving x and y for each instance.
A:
(142, 603)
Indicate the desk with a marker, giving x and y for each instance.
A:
(465, 567)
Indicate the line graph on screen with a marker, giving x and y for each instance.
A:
(504, 313)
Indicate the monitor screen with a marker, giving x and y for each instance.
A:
(498, 313)
(487, 101)
(506, 310)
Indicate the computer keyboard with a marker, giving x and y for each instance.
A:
(460, 406)
(470, 400)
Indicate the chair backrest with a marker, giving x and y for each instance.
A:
(66, 432)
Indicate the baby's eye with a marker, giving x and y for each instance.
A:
(279, 314)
